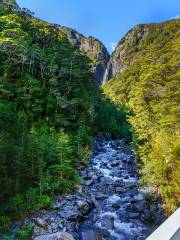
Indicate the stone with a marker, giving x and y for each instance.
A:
(146, 216)
(55, 236)
(83, 206)
(119, 189)
(132, 192)
(138, 197)
(89, 182)
(101, 196)
(153, 209)
(40, 222)
(84, 174)
(90, 235)
(139, 206)
(116, 205)
(114, 163)
(38, 231)
(56, 205)
(133, 214)
(119, 183)
(90, 174)
(69, 213)
(94, 177)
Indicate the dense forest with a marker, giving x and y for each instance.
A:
(50, 110)
(149, 88)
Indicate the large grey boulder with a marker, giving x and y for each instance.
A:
(55, 236)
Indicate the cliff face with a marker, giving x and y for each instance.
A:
(91, 47)
(132, 47)
(126, 49)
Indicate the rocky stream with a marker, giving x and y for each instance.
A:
(109, 205)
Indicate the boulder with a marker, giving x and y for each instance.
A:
(94, 177)
(69, 213)
(90, 174)
(39, 231)
(90, 235)
(116, 205)
(89, 182)
(146, 216)
(41, 222)
(133, 214)
(101, 196)
(119, 189)
(83, 206)
(138, 197)
(139, 206)
(55, 236)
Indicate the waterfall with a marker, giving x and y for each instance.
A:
(105, 77)
(108, 72)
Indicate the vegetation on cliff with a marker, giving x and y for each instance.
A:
(149, 88)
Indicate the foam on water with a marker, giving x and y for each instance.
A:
(113, 199)
(102, 163)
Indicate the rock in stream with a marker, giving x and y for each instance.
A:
(109, 205)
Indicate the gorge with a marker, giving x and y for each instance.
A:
(88, 142)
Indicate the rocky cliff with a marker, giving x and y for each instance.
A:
(91, 47)
(132, 47)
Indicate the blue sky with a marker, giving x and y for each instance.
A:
(107, 20)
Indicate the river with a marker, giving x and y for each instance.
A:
(109, 204)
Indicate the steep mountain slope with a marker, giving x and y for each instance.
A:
(92, 48)
(50, 109)
(89, 46)
(133, 45)
(146, 69)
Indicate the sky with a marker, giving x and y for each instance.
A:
(107, 20)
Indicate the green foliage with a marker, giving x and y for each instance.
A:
(151, 197)
(149, 88)
(25, 204)
(4, 224)
(25, 233)
(50, 110)
(111, 120)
